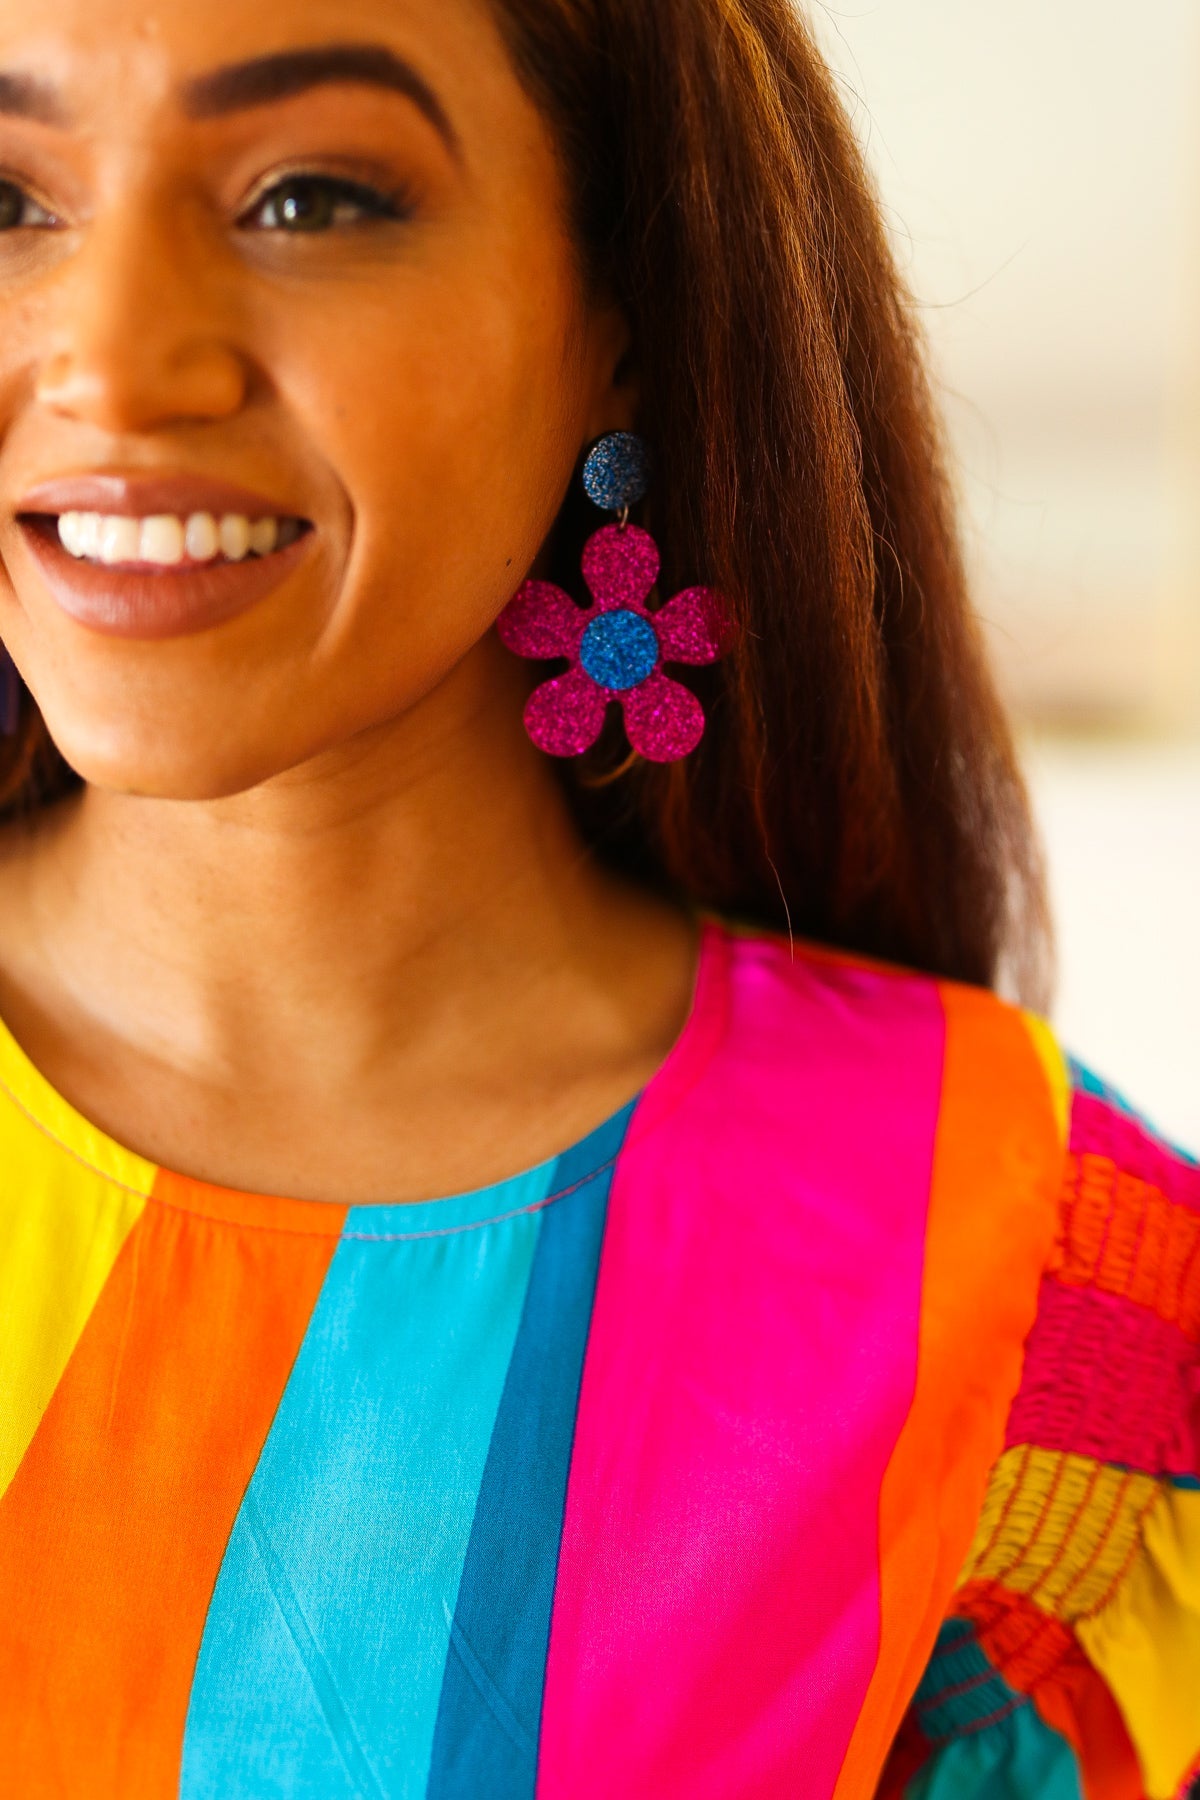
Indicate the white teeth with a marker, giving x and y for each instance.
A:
(166, 538)
(70, 532)
(200, 537)
(119, 540)
(162, 539)
(233, 535)
(263, 533)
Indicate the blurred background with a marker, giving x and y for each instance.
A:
(1040, 165)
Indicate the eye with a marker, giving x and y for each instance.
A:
(17, 208)
(320, 203)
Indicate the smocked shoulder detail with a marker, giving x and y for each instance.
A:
(1070, 1662)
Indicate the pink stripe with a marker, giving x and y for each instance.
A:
(1111, 1380)
(751, 1361)
(1100, 1128)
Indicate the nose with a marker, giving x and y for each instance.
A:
(140, 328)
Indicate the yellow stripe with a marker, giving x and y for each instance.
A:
(1116, 1557)
(1055, 1065)
(69, 1197)
(1146, 1642)
(1060, 1528)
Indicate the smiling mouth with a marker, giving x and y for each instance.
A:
(164, 541)
(162, 575)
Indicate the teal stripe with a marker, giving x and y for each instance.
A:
(1017, 1758)
(323, 1652)
(489, 1717)
(989, 1742)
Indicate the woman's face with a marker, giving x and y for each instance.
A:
(316, 251)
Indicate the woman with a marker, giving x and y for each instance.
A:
(793, 1389)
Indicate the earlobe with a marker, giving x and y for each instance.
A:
(616, 364)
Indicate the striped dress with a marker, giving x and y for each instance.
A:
(825, 1424)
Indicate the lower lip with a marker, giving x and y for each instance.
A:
(145, 601)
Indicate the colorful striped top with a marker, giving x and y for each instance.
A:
(825, 1423)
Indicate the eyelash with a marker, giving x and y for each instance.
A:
(9, 187)
(371, 202)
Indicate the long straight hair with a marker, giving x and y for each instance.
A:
(857, 783)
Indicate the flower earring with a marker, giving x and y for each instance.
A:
(616, 647)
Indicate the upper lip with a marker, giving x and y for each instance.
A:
(142, 492)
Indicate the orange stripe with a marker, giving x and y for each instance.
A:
(113, 1528)
(992, 1217)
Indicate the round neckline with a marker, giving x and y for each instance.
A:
(99, 1154)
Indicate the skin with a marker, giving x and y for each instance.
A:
(319, 923)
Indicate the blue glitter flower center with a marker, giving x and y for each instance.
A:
(619, 649)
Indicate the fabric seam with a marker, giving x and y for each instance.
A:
(153, 1199)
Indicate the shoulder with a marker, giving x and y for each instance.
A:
(799, 990)
(790, 1026)
(1072, 1646)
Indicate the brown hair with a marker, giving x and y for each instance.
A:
(857, 779)
(857, 782)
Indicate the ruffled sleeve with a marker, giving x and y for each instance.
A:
(1069, 1665)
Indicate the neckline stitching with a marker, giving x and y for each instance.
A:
(152, 1199)
(383, 1237)
(635, 1106)
(60, 1143)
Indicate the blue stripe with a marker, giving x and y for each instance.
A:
(489, 1716)
(323, 1652)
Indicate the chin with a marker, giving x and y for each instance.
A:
(166, 759)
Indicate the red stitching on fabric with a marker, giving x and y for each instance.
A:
(1042, 1627)
(992, 1718)
(1005, 1510)
(1071, 1529)
(1185, 1279)
(1110, 1214)
(959, 1687)
(1026, 1549)
(1103, 1379)
(1102, 1536)
(1134, 1548)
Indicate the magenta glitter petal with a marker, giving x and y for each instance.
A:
(663, 719)
(694, 627)
(564, 716)
(620, 567)
(541, 621)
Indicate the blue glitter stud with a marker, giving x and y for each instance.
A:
(617, 471)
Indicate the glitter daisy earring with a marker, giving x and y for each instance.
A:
(617, 646)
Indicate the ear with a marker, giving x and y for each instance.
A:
(615, 386)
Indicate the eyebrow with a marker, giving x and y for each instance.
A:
(28, 97)
(258, 82)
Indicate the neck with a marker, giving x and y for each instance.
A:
(327, 910)
(391, 972)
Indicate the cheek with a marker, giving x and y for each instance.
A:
(451, 413)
